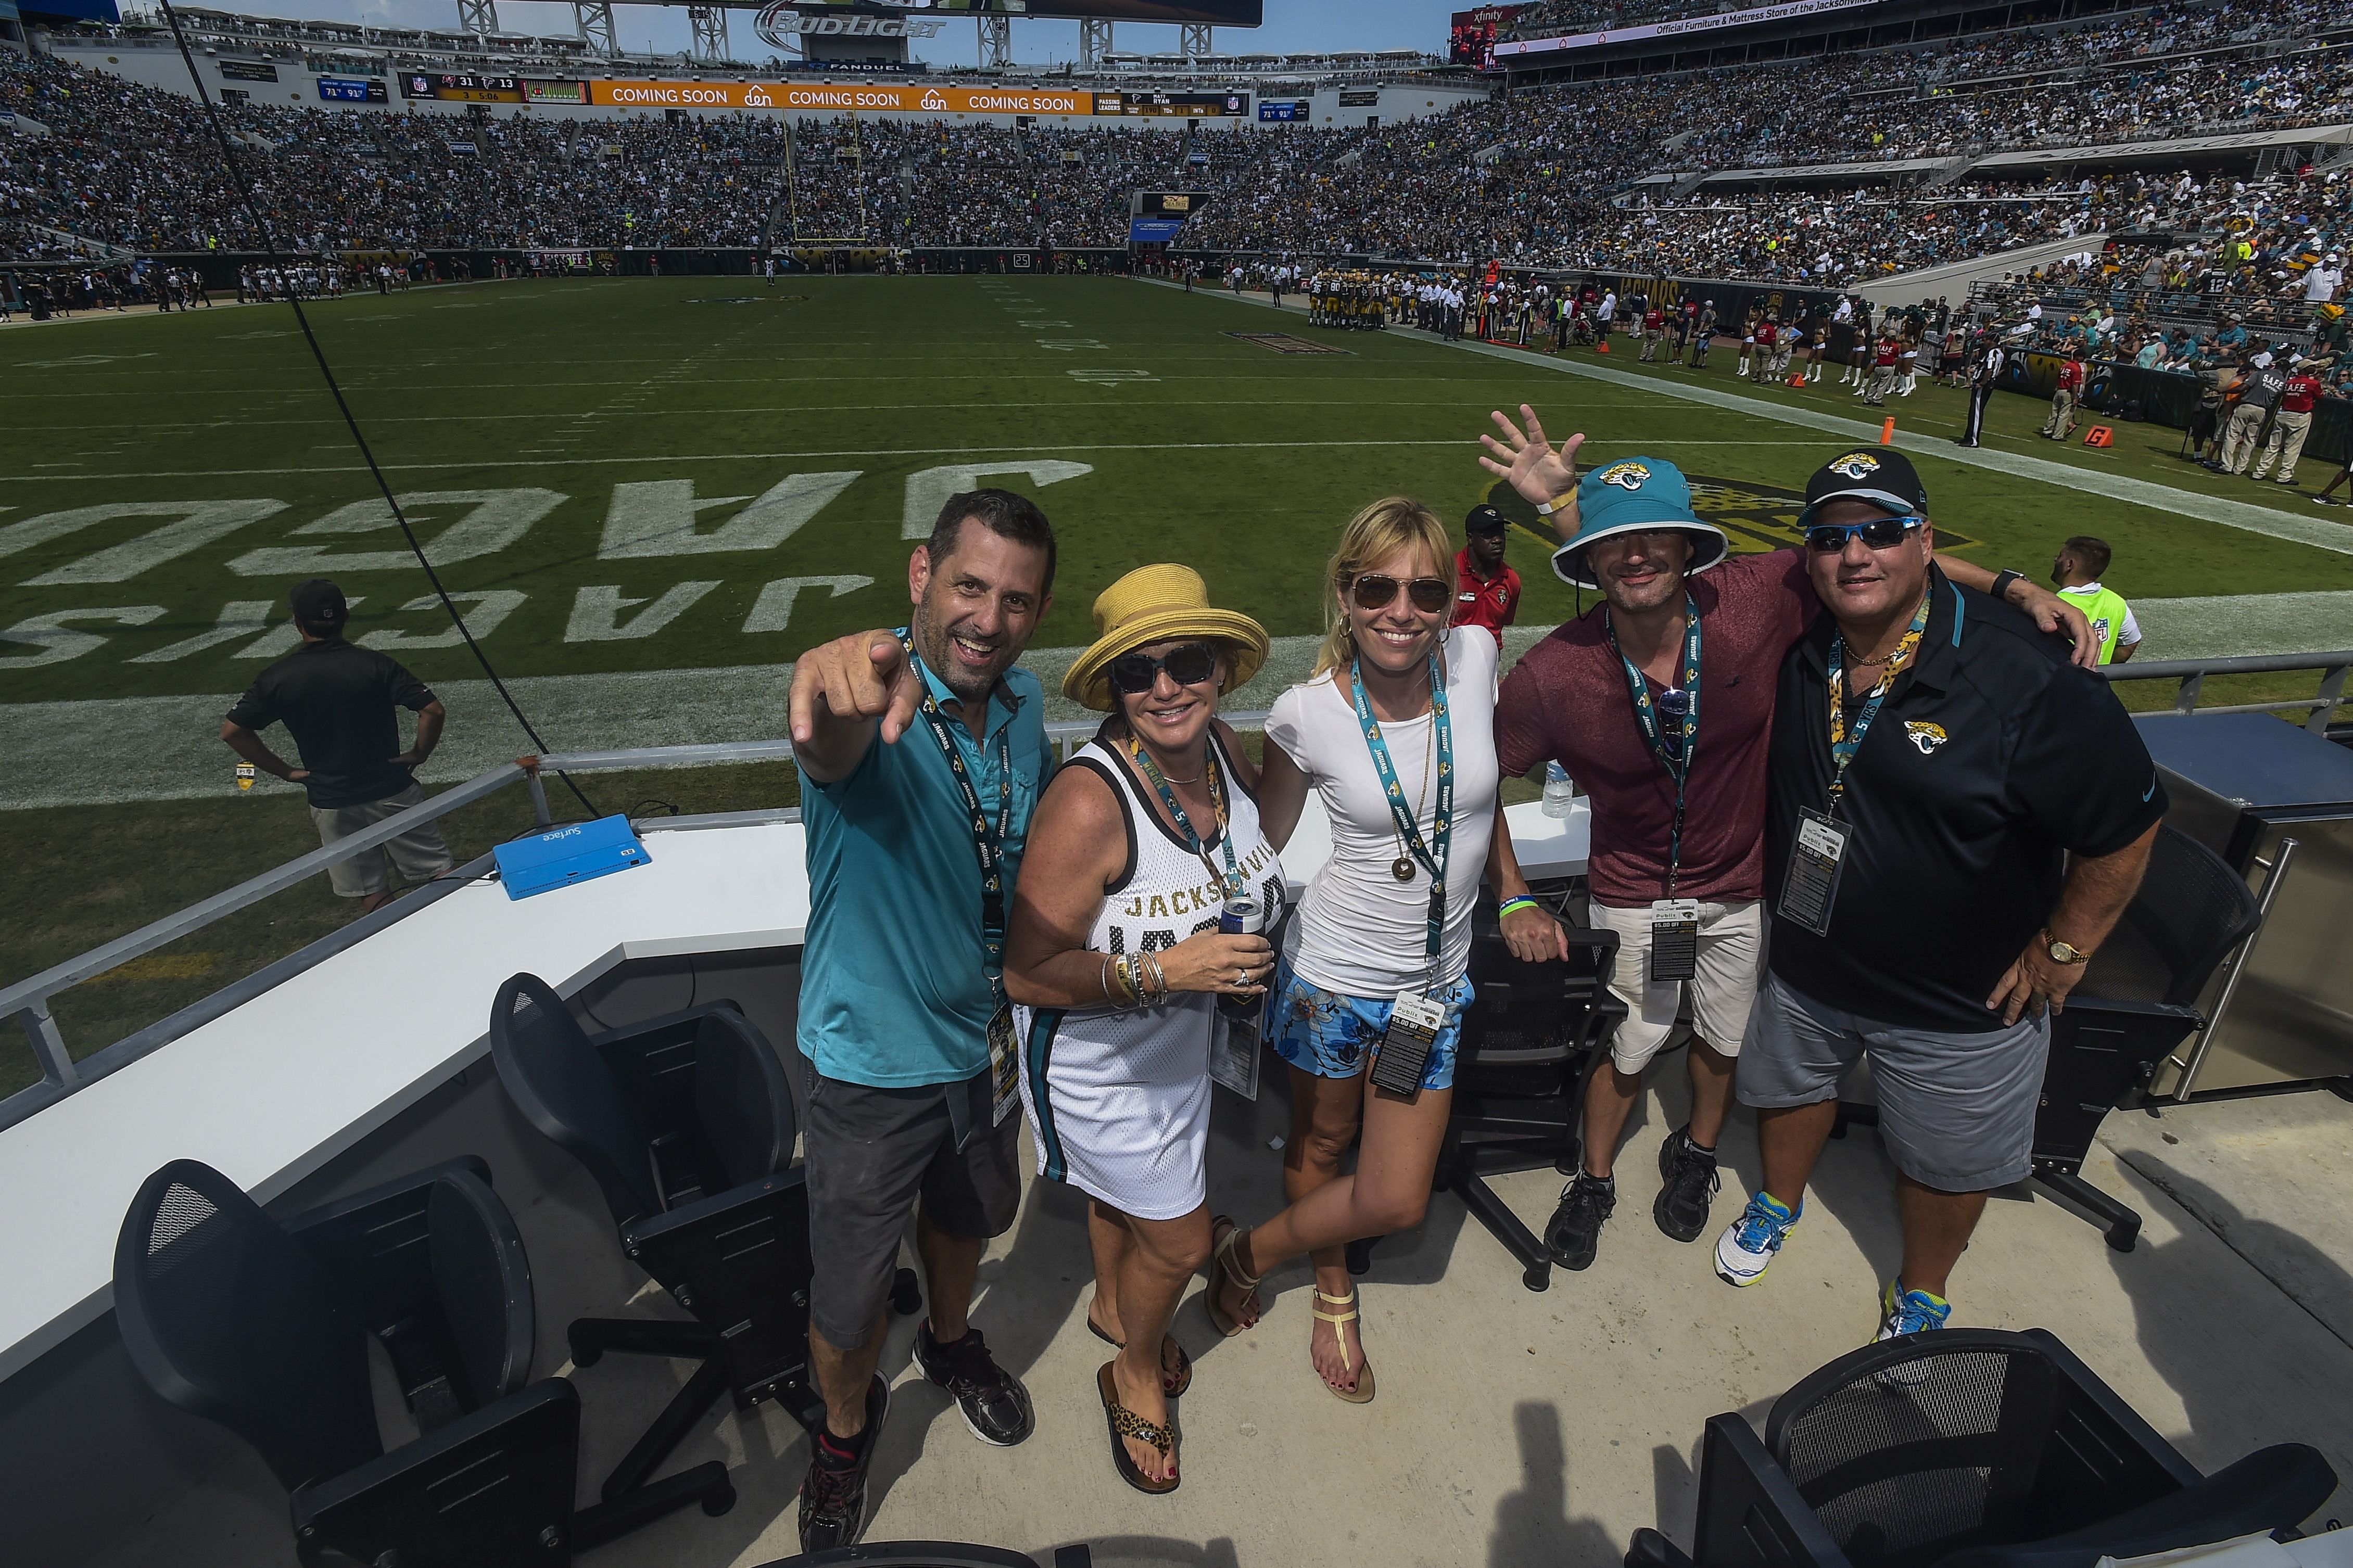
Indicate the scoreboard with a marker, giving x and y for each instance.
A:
(462, 88)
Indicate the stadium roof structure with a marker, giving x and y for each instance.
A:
(2178, 149)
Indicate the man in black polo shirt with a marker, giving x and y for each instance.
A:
(337, 702)
(1945, 846)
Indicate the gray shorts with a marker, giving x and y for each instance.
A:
(870, 1153)
(1956, 1110)
(419, 854)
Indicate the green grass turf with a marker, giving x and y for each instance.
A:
(1239, 460)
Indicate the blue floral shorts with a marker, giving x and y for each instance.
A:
(1325, 1033)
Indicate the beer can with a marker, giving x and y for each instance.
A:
(1242, 916)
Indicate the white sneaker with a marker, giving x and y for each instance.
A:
(1746, 1249)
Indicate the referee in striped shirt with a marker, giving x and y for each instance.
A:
(1985, 368)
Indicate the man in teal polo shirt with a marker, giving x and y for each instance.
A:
(922, 752)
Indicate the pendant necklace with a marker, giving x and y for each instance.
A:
(1402, 867)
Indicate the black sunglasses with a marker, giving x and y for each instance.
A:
(1430, 594)
(1190, 664)
(1879, 534)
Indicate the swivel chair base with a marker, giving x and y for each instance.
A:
(592, 1337)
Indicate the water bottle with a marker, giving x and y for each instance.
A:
(1241, 916)
(1558, 791)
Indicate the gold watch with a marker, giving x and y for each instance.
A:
(2064, 952)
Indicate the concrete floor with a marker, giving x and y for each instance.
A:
(1516, 1429)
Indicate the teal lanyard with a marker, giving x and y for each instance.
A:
(1232, 879)
(1433, 857)
(1677, 758)
(1846, 741)
(987, 838)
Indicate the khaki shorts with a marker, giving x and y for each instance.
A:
(1731, 962)
(419, 855)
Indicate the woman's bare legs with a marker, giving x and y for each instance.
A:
(1157, 1260)
(1388, 1191)
(1111, 1242)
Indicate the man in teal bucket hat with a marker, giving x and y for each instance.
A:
(1659, 702)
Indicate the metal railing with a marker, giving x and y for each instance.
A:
(2321, 710)
(28, 1001)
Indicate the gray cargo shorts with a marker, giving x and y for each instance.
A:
(870, 1153)
(1956, 1110)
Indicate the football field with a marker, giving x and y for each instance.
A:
(648, 495)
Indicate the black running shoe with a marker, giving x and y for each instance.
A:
(833, 1498)
(1574, 1235)
(1691, 1184)
(994, 1404)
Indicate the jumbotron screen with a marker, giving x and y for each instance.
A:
(1219, 13)
(1472, 41)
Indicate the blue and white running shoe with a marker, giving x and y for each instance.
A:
(1903, 1312)
(1745, 1251)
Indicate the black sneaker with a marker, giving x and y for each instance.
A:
(994, 1404)
(1575, 1234)
(833, 1498)
(1691, 1184)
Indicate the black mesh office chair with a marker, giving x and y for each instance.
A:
(687, 1123)
(1530, 1038)
(2136, 1002)
(263, 1329)
(1967, 1448)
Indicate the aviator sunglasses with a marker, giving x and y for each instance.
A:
(1430, 594)
(1879, 534)
(1189, 664)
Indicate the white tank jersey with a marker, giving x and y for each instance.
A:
(1119, 1099)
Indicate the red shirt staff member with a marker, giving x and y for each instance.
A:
(1488, 592)
(1632, 536)
(2291, 424)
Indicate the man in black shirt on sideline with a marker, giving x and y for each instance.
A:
(337, 702)
(1957, 817)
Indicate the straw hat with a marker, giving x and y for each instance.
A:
(1159, 603)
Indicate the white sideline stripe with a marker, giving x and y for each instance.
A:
(115, 751)
(2274, 524)
(1038, 448)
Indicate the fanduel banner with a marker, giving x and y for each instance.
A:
(1522, 49)
(854, 99)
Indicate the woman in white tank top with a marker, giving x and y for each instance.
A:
(1116, 960)
(1395, 727)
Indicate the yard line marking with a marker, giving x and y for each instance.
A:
(1043, 448)
(164, 748)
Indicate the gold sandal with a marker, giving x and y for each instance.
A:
(1127, 1424)
(1222, 1266)
(1364, 1393)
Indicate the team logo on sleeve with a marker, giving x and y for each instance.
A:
(1856, 466)
(1924, 736)
(1628, 476)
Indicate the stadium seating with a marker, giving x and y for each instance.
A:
(1523, 177)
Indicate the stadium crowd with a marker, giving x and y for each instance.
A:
(1521, 178)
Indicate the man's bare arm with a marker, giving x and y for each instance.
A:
(2091, 900)
(2051, 611)
(845, 692)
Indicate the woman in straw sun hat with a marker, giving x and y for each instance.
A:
(1115, 958)
(1394, 734)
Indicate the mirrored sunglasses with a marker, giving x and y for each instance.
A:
(1430, 594)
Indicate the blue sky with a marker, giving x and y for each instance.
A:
(1299, 26)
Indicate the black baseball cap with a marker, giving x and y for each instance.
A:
(1485, 519)
(318, 602)
(1880, 475)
